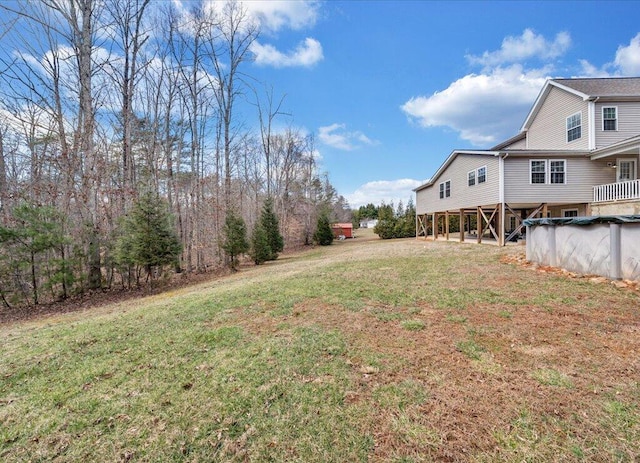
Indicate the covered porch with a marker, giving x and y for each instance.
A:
(622, 194)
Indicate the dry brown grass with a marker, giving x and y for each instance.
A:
(438, 351)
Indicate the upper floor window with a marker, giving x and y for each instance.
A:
(574, 127)
(478, 175)
(538, 171)
(610, 118)
(482, 174)
(445, 189)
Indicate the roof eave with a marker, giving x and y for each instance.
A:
(615, 148)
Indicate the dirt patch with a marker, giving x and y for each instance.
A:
(542, 375)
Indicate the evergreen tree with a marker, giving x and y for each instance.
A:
(260, 250)
(323, 235)
(146, 236)
(235, 238)
(270, 225)
(35, 243)
(400, 224)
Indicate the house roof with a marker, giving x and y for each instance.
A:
(510, 141)
(620, 88)
(342, 225)
(631, 143)
(604, 87)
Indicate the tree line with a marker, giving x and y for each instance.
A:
(124, 149)
(393, 222)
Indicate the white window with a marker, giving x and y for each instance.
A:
(574, 127)
(557, 169)
(569, 212)
(445, 189)
(538, 171)
(552, 171)
(471, 178)
(482, 174)
(609, 118)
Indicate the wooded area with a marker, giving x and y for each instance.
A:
(113, 107)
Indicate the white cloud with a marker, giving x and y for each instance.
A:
(336, 136)
(274, 15)
(386, 191)
(589, 70)
(625, 64)
(306, 54)
(628, 58)
(483, 108)
(528, 45)
(489, 107)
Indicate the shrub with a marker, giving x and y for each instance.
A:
(323, 235)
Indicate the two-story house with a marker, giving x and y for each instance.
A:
(577, 154)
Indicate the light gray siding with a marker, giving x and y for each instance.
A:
(518, 145)
(548, 130)
(581, 175)
(462, 195)
(628, 123)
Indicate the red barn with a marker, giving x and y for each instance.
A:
(342, 230)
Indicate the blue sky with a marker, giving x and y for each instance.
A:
(390, 88)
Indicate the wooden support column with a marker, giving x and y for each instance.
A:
(479, 224)
(436, 219)
(446, 225)
(501, 225)
(545, 210)
(463, 225)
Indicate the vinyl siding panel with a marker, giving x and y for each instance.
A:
(549, 128)
(462, 195)
(581, 175)
(519, 145)
(628, 123)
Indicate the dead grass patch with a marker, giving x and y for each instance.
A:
(509, 363)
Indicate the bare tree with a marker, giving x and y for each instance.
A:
(238, 32)
(267, 112)
(130, 35)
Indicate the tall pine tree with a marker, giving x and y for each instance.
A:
(269, 222)
(260, 250)
(235, 242)
(147, 238)
(323, 235)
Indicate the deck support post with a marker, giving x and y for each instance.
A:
(436, 219)
(446, 225)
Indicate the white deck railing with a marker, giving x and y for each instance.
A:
(617, 191)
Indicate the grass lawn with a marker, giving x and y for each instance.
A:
(366, 350)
